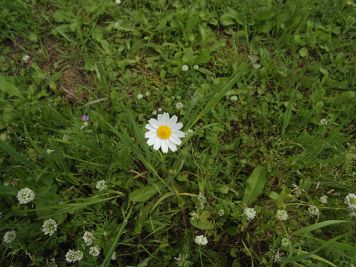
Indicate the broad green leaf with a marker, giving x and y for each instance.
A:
(143, 194)
(9, 88)
(255, 185)
(317, 226)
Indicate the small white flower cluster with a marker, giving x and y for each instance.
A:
(323, 199)
(25, 58)
(323, 122)
(181, 260)
(234, 98)
(350, 201)
(88, 238)
(25, 195)
(49, 227)
(139, 96)
(186, 68)
(179, 105)
(282, 215)
(74, 256)
(313, 210)
(202, 201)
(94, 251)
(201, 240)
(101, 185)
(9, 236)
(285, 242)
(118, 2)
(156, 111)
(250, 213)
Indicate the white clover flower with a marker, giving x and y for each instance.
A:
(164, 132)
(25, 195)
(201, 240)
(147, 93)
(101, 185)
(196, 67)
(250, 213)
(49, 227)
(139, 96)
(350, 200)
(154, 112)
(323, 122)
(74, 255)
(159, 109)
(113, 256)
(323, 199)
(25, 58)
(179, 105)
(94, 251)
(234, 98)
(118, 2)
(181, 260)
(185, 68)
(285, 242)
(88, 238)
(313, 210)
(282, 215)
(221, 213)
(9, 236)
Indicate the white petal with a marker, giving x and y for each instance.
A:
(164, 146)
(160, 119)
(166, 118)
(149, 127)
(179, 134)
(174, 139)
(154, 123)
(177, 126)
(172, 146)
(150, 134)
(157, 144)
(151, 141)
(173, 120)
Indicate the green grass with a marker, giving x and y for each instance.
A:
(290, 66)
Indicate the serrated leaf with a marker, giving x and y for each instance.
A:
(143, 194)
(255, 185)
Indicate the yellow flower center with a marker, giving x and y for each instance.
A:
(164, 132)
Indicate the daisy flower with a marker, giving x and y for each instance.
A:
(164, 132)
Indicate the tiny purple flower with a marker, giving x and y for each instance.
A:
(85, 118)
